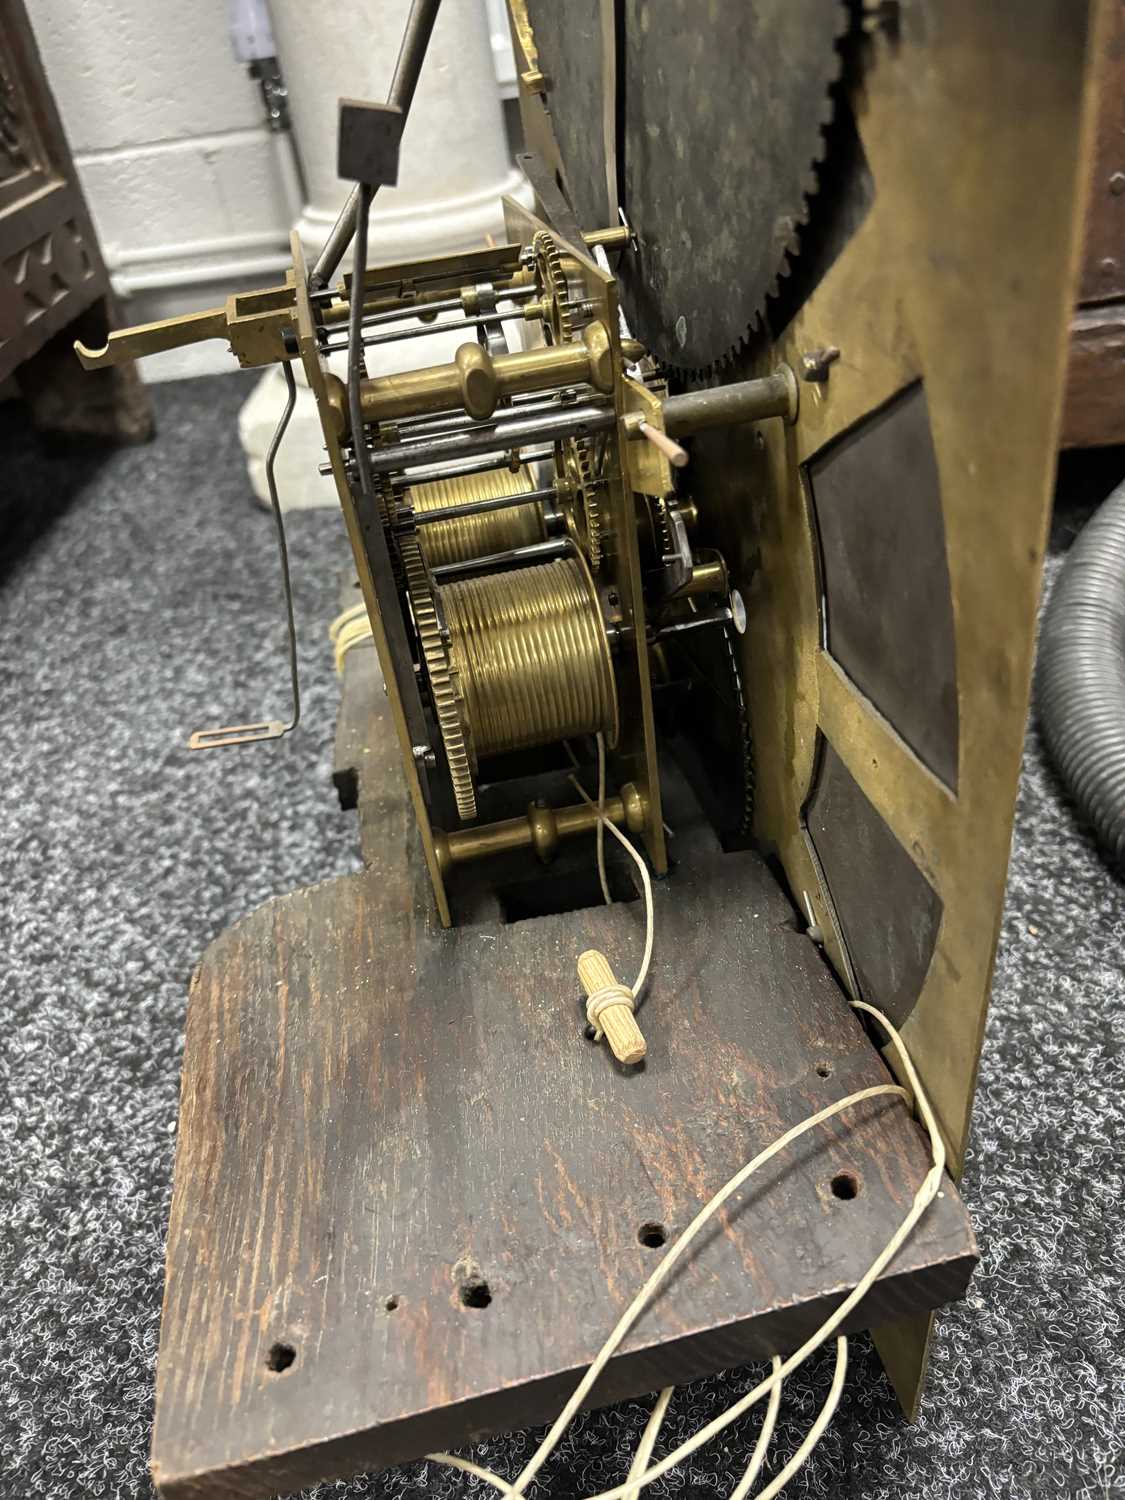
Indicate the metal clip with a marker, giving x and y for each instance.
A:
(237, 734)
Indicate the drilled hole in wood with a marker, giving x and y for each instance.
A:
(823, 1070)
(475, 1293)
(391, 1303)
(652, 1235)
(845, 1185)
(280, 1357)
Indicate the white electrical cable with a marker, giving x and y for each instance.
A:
(816, 1431)
(646, 884)
(924, 1196)
(643, 1455)
(601, 820)
(758, 1457)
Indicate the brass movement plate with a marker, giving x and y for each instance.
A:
(975, 122)
(635, 758)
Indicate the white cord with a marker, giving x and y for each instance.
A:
(648, 1440)
(606, 893)
(646, 883)
(816, 1431)
(924, 1196)
(758, 1457)
(601, 820)
(639, 1474)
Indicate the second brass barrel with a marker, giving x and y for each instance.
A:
(461, 537)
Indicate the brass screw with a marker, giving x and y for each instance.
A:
(815, 363)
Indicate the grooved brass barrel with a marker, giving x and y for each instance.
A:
(491, 531)
(531, 657)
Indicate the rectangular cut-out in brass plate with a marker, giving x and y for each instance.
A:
(877, 502)
(889, 914)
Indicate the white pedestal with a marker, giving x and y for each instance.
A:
(453, 171)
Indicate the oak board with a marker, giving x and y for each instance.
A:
(392, 1176)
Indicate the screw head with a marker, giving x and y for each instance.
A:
(815, 363)
(738, 611)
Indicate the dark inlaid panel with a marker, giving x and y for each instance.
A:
(877, 500)
(888, 911)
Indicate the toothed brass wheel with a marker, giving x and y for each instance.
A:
(557, 317)
(580, 498)
(443, 690)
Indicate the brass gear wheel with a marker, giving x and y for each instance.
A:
(553, 284)
(443, 693)
(385, 494)
(717, 210)
(578, 495)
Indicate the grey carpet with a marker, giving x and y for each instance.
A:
(139, 599)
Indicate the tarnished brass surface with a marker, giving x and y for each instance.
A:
(252, 323)
(609, 239)
(936, 284)
(531, 76)
(579, 495)
(531, 657)
(920, 293)
(479, 535)
(315, 374)
(541, 829)
(154, 338)
(476, 380)
(527, 664)
(651, 471)
(620, 572)
(708, 576)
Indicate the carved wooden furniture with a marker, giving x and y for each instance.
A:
(53, 282)
(1094, 414)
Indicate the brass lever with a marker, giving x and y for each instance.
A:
(154, 338)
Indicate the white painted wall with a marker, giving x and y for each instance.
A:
(183, 176)
(455, 164)
(454, 169)
(170, 141)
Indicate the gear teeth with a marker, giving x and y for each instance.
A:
(420, 589)
(552, 278)
(810, 186)
(591, 508)
(660, 506)
(578, 490)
